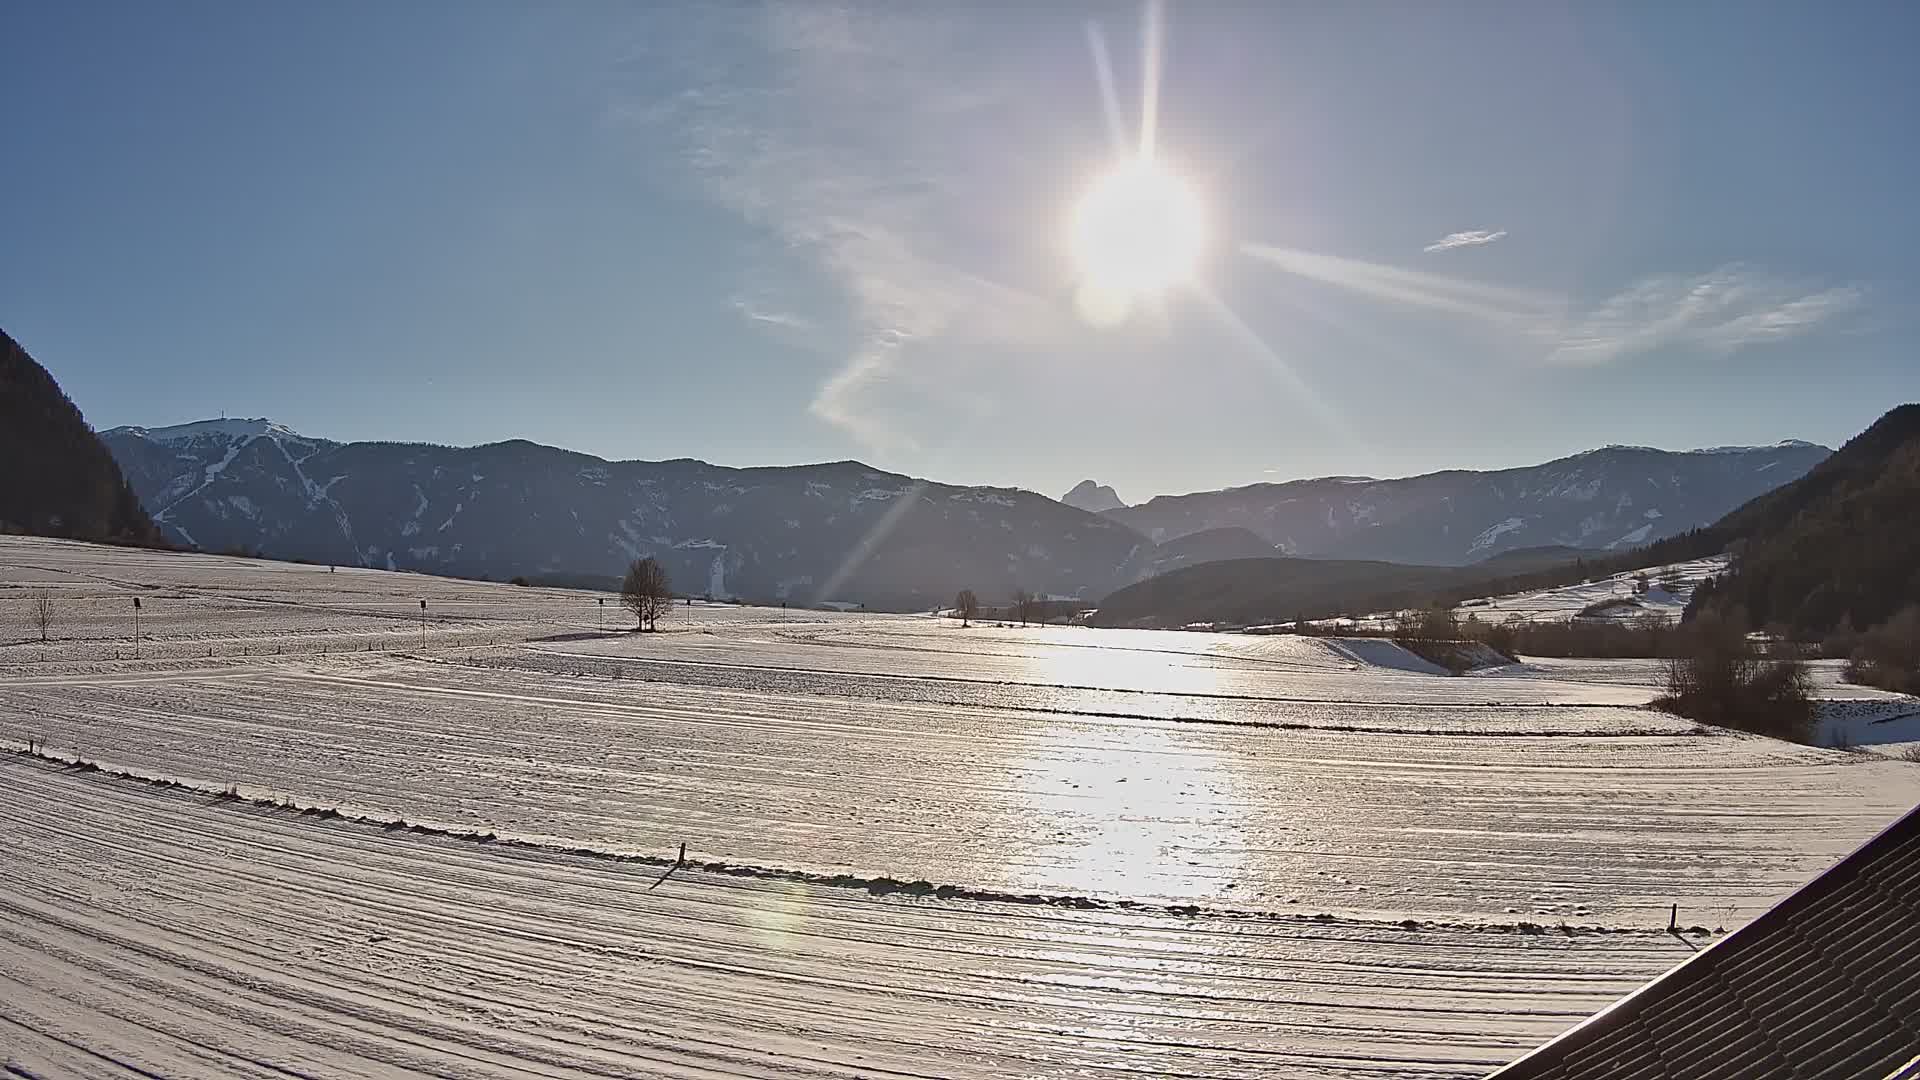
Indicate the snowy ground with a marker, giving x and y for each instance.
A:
(1568, 601)
(1195, 854)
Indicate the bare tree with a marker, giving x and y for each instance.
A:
(1721, 678)
(1022, 604)
(40, 612)
(966, 605)
(646, 591)
(1434, 623)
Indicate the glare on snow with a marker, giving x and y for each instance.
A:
(1229, 788)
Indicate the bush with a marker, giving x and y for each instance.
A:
(1601, 609)
(1434, 623)
(1723, 680)
(1649, 635)
(1888, 656)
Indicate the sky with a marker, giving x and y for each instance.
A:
(1438, 235)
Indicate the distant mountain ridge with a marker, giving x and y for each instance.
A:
(56, 476)
(1612, 498)
(842, 530)
(805, 534)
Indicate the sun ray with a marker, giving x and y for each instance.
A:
(1516, 309)
(862, 551)
(1378, 343)
(1109, 96)
(1274, 362)
(1150, 37)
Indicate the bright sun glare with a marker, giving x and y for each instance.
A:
(1136, 232)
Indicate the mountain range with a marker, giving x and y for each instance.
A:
(1612, 498)
(1832, 550)
(847, 532)
(804, 534)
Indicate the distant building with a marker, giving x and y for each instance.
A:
(1824, 986)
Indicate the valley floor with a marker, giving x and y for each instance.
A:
(1186, 854)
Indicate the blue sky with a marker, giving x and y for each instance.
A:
(762, 234)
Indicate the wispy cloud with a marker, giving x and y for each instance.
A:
(1717, 313)
(853, 139)
(755, 311)
(1470, 238)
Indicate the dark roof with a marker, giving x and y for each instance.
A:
(1824, 985)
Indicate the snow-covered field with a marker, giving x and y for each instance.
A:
(1615, 597)
(916, 850)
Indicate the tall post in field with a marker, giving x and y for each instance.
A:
(603, 614)
(423, 624)
(136, 628)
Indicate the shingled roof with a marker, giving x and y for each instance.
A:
(1823, 986)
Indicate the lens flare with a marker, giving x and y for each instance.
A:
(1137, 231)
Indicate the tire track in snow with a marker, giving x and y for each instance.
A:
(1580, 828)
(494, 961)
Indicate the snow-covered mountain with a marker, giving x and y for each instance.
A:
(1614, 497)
(841, 531)
(1093, 498)
(846, 531)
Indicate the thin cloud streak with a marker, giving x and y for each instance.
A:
(1716, 313)
(1470, 238)
(785, 320)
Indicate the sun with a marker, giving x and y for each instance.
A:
(1137, 231)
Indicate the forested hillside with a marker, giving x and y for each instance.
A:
(1839, 545)
(56, 477)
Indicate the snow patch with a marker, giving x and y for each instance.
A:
(1382, 653)
(1636, 536)
(1490, 536)
(236, 429)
